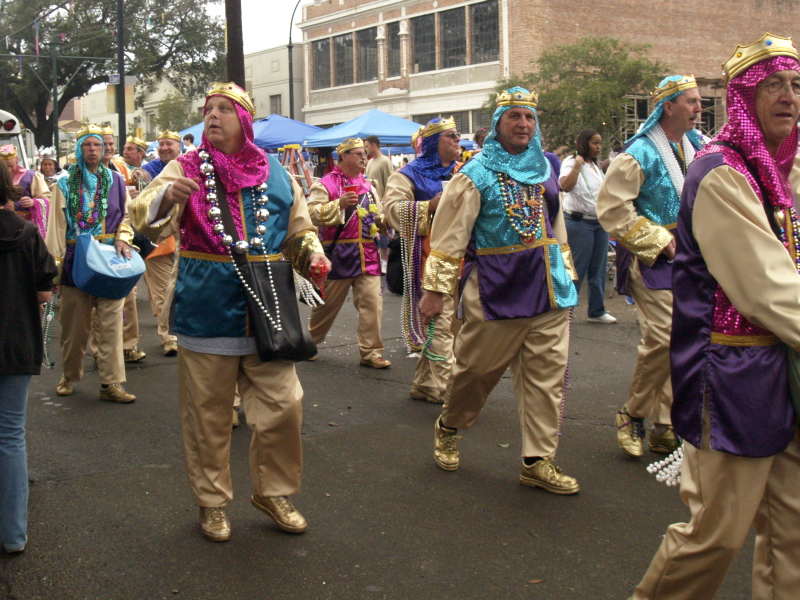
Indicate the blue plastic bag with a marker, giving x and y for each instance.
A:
(98, 270)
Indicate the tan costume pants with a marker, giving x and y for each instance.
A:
(436, 374)
(157, 277)
(727, 495)
(368, 302)
(169, 294)
(536, 350)
(130, 325)
(650, 393)
(272, 399)
(76, 322)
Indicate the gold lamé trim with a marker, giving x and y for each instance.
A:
(300, 249)
(225, 258)
(569, 263)
(124, 234)
(140, 208)
(441, 273)
(646, 240)
(517, 247)
(104, 236)
(424, 218)
(330, 213)
(724, 339)
(59, 259)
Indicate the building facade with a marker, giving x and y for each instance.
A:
(424, 58)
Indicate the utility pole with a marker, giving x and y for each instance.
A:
(54, 51)
(123, 130)
(235, 57)
(291, 70)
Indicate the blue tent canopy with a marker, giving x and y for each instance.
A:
(276, 131)
(391, 130)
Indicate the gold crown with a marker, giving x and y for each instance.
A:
(434, 128)
(349, 144)
(746, 56)
(93, 129)
(415, 136)
(235, 93)
(132, 139)
(8, 151)
(520, 97)
(686, 82)
(71, 158)
(172, 135)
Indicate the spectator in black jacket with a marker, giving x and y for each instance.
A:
(27, 271)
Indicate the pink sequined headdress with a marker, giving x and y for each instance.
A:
(248, 167)
(743, 131)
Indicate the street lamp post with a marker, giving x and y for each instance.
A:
(291, 70)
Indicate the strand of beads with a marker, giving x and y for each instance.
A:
(524, 215)
(259, 193)
(563, 404)
(411, 252)
(48, 314)
(98, 207)
(668, 470)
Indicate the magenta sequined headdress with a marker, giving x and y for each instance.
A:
(743, 131)
(248, 167)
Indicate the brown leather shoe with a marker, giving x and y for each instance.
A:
(376, 363)
(115, 393)
(64, 387)
(428, 394)
(282, 511)
(214, 524)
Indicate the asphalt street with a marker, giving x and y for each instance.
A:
(111, 516)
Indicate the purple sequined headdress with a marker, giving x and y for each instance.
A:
(744, 133)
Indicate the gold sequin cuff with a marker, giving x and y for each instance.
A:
(124, 234)
(139, 210)
(330, 213)
(300, 248)
(381, 224)
(441, 273)
(569, 264)
(646, 240)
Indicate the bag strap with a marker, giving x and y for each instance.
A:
(347, 214)
(230, 229)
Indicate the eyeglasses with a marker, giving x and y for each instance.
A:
(358, 154)
(452, 136)
(776, 88)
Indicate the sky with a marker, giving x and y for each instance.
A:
(265, 23)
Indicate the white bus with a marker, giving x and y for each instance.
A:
(12, 133)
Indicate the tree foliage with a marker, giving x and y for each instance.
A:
(178, 40)
(587, 85)
(175, 113)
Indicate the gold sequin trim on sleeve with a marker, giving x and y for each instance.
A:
(424, 218)
(441, 273)
(139, 209)
(646, 240)
(300, 248)
(124, 234)
(569, 263)
(330, 213)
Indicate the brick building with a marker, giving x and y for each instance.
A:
(424, 58)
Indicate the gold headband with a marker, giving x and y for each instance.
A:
(746, 56)
(132, 139)
(8, 154)
(349, 144)
(434, 128)
(520, 97)
(686, 82)
(172, 135)
(235, 93)
(93, 129)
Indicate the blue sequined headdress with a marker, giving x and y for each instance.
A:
(426, 171)
(529, 167)
(670, 88)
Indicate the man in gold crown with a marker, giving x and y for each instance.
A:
(737, 308)
(130, 312)
(412, 196)
(638, 206)
(347, 211)
(217, 348)
(501, 213)
(91, 199)
(34, 204)
(133, 154)
(160, 262)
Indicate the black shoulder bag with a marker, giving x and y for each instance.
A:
(270, 289)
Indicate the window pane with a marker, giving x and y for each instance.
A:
(480, 119)
(321, 60)
(485, 32)
(343, 59)
(453, 36)
(423, 119)
(367, 54)
(708, 118)
(423, 41)
(393, 49)
(461, 119)
(275, 104)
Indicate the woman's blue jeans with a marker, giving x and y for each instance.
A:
(589, 244)
(13, 461)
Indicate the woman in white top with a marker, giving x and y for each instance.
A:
(580, 179)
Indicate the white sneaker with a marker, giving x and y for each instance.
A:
(604, 318)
